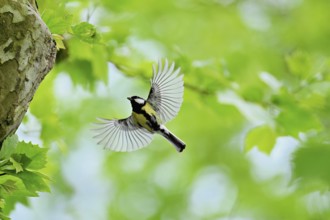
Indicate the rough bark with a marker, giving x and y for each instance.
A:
(27, 53)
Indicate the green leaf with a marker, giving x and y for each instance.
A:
(3, 162)
(57, 24)
(34, 182)
(294, 119)
(11, 201)
(18, 167)
(8, 147)
(2, 204)
(86, 32)
(87, 63)
(311, 163)
(253, 93)
(11, 185)
(59, 41)
(8, 167)
(3, 217)
(36, 157)
(263, 137)
(299, 64)
(16, 187)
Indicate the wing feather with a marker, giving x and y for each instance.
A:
(166, 94)
(121, 135)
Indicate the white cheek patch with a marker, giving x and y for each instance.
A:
(139, 101)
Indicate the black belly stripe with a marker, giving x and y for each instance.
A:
(151, 120)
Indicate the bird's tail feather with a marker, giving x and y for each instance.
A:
(178, 144)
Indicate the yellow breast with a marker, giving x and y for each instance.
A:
(141, 119)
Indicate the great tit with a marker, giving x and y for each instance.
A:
(148, 116)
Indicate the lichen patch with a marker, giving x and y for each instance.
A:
(17, 16)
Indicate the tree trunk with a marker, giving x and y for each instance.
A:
(27, 54)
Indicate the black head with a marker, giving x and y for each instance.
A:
(137, 103)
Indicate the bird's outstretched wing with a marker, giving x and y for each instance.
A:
(166, 93)
(121, 135)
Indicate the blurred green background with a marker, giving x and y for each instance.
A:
(255, 115)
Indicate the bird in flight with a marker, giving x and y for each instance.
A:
(148, 115)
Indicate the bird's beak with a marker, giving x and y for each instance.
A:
(129, 98)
